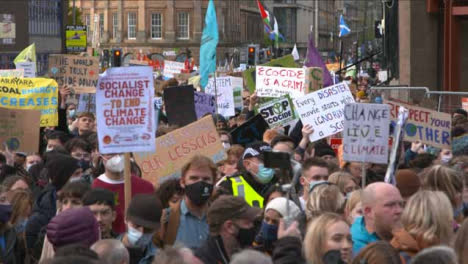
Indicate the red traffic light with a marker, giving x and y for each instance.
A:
(117, 53)
(251, 50)
(268, 53)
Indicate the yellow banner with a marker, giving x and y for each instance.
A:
(31, 93)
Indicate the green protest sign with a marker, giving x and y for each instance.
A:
(277, 112)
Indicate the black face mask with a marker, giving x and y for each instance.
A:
(246, 236)
(199, 192)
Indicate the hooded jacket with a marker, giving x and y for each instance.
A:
(361, 237)
(406, 244)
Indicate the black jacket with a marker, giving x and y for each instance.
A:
(288, 250)
(212, 251)
(14, 248)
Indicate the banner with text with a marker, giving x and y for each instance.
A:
(430, 127)
(225, 93)
(278, 81)
(19, 73)
(174, 149)
(365, 134)
(172, 67)
(125, 119)
(277, 112)
(19, 130)
(204, 104)
(323, 110)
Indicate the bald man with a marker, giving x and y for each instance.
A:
(111, 251)
(382, 206)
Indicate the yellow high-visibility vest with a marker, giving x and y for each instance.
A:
(240, 187)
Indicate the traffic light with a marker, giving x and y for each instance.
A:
(252, 56)
(116, 58)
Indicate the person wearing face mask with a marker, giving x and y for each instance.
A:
(11, 246)
(185, 221)
(313, 170)
(445, 155)
(254, 179)
(225, 138)
(231, 224)
(142, 224)
(32, 159)
(80, 149)
(113, 180)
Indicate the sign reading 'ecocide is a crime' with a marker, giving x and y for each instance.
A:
(124, 98)
(277, 81)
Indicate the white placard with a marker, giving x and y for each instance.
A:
(324, 110)
(225, 94)
(278, 81)
(28, 67)
(365, 134)
(172, 67)
(124, 108)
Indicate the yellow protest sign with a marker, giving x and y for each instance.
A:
(33, 94)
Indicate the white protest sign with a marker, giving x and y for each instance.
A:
(172, 67)
(224, 93)
(124, 109)
(365, 134)
(28, 67)
(237, 86)
(278, 112)
(278, 81)
(324, 110)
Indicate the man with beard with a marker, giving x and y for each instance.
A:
(382, 206)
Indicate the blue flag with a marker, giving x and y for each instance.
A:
(209, 41)
(344, 29)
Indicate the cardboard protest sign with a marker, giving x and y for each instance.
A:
(277, 112)
(278, 81)
(86, 103)
(125, 119)
(250, 74)
(224, 93)
(172, 67)
(204, 103)
(250, 131)
(33, 94)
(78, 72)
(314, 79)
(430, 127)
(19, 130)
(29, 68)
(237, 87)
(365, 134)
(174, 149)
(180, 105)
(323, 110)
(19, 73)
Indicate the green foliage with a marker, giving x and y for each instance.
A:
(79, 16)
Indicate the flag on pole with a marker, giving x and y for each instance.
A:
(265, 17)
(295, 53)
(209, 42)
(344, 29)
(27, 55)
(315, 60)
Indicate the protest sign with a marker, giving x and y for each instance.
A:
(314, 79)
(19, 130)
(29, 68)
(237, 87)
(204, 103)
(124, 98)
(180, 105)
(75, 38)
(78, 72)
(249, 75)
(176, 148)
(172, 67)
(278, 81)
(19, 73)
(323, 110)
(250, 131)
(365, 134)
(225, 94)
(429, 127)
(33, 94)
(86, 103)
(277, 112)
(465, 103)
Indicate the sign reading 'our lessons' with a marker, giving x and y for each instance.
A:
(31, 94)
(19, 129)
(174, 149)
(124, 98)
(277, 112)
(180, 105)
(430, 127)
(365, 134)
(204, 104)
(225, 93)
(172, 67)
(323, 110)
(250, 131)
(277, 81)
(78, 72)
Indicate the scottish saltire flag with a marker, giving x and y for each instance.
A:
(209, 41)
(344, 29)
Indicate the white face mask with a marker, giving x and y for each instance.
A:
(226, 145)
(115, 164)
(445, 159)
(48, 149)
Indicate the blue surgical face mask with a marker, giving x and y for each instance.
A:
(137, 238)
(264, 175)
(72, 113)
(269, 232)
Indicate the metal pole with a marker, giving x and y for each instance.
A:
(341, 53)
(74, 13)
(316, 26)
(216, 98)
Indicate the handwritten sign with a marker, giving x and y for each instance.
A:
(86, 103)
(277, 112)
(429, 127)
(172, 67)
(174, 149)
(19, 129)
(204, 103)
(29, 68)
(180, 105)
(250, 131)
(19, 73)
(323, 110)
(31, 94)
(314, 79)
(224, 92)
(365, 134)
(78, 72)
(124, 98)
(277, 81)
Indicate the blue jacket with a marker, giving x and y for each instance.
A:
(149, 252)
(361, 236)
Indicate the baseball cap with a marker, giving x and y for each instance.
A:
(256, 149)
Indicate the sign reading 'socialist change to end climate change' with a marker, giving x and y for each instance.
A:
(277, 112)
(124, 108)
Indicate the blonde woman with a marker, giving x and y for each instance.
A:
(461, 243)
(353, 207)
(326, 233)
(427, 221)
(324, 197)
(344, 181)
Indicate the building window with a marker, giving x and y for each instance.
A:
(115, 24)
(183, 25)
(156, 26)
(131, 26)
(101, 25)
